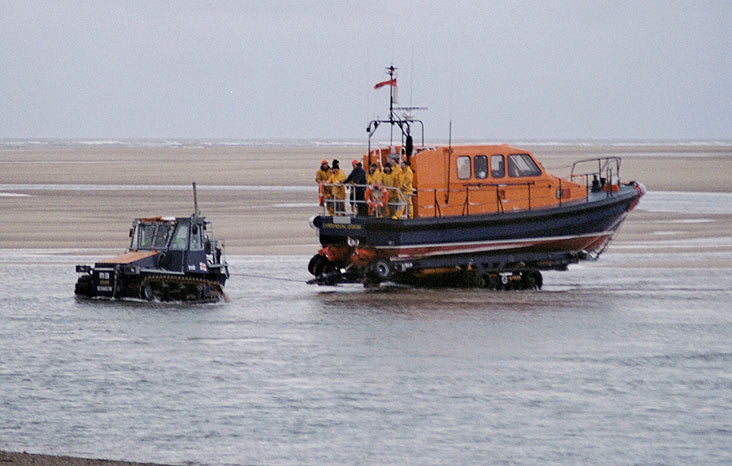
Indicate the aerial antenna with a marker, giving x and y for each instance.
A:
(449, 137)
(411, 77)
(391, 71)
(449, 161)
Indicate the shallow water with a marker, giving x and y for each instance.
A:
(606, 364)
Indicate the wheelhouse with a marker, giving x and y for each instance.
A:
(480, 179)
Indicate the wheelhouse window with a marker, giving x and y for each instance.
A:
(180, 237)
(520, 165)
(480, 167)
(498, 168)
(463, 167)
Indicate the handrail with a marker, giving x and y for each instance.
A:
(596, 181)
(609, 166)
(350, 198)
(603, 163)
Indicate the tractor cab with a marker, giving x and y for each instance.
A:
(169, 258)
(181, 243)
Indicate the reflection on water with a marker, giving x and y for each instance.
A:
(604, 362)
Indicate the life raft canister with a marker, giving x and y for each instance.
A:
(375, 196)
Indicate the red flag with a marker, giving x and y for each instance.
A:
(391, 82)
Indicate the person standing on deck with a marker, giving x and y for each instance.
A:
(393, 159)
(391, 181)
(358, 177)
(374, 175)
(405, 186)
(337, 178)
(321, 177)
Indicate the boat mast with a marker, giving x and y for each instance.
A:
(404, 124)
(391, 71)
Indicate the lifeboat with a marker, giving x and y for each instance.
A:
(476, 215)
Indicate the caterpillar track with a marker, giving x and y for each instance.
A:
(174, 288)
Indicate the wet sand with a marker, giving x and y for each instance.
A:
(31, 459)
(260, 199)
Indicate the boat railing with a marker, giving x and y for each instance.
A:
(391, 202)
(600, 174)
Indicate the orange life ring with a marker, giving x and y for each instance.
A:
(375, 196)
(321, 194)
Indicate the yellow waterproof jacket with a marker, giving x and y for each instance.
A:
(337, 176)
(321, 176)
(375, 178)
(390, 180)
(405, 181)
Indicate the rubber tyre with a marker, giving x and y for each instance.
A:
(83, 286)
(381, 269)
(538, 279)
(317, 265)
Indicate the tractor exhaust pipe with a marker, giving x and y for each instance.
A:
(195, 201)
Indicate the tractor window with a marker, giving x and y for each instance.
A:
(180, 238)
(133, 238)
(162, 235)
(146, 232)
(522, 165)
(480, 166)
(196, 243)
(498, 169)
(463, 167)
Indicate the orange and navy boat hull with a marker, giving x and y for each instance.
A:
(548, 238)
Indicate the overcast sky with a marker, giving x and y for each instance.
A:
(500, 70)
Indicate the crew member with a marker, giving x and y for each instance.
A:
(374, 175)
(391, 181)
(405, 186)
(339, 191)
(358, 178)
(321, 176)
(395, 168)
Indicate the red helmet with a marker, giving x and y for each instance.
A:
(355, 162)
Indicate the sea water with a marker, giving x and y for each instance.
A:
(611, 362)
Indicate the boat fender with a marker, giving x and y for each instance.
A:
(373, 200)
